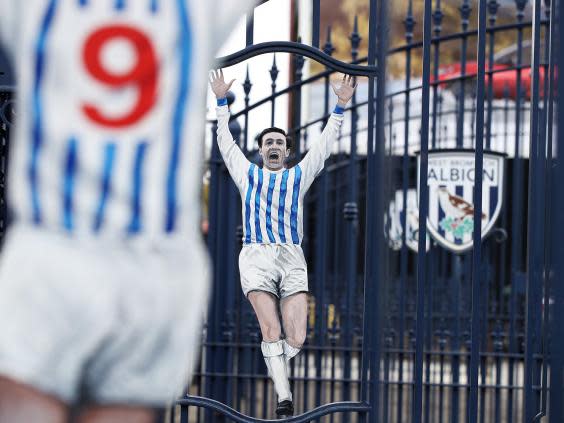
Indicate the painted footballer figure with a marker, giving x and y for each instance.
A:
(272, 265)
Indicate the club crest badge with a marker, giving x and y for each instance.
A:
(450, 179)
(393, 221)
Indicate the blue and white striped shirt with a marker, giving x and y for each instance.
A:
(110, 100)
(273, 201)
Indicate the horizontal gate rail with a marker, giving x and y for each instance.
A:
(263, 377)
(464, 34)
(316, 413)
(290, 88)
(296, 48)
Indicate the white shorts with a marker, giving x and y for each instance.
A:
(109, 323)
(280, 269)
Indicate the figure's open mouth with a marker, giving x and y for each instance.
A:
(274, 155)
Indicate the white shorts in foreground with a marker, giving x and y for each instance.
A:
(280, 269)
(112, 321)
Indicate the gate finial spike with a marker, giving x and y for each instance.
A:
(355, 39)
(247, 85)
(328, 48)
(274, 71)
(465, 11)
(521, 4)
(493, 6)
(409, 23)
(438, 18)
(299, 63)
(547, 4)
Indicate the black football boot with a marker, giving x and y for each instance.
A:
(285, 409)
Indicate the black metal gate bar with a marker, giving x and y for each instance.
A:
(299, 49)
(379, 257)
(370, 279)
(321, 322)
(465, 10)
(549, 89)
(350, 214)
(437, 19)
(517, 267)
(417, 404)
(493, 7)
(315, 16)
(324, 410)
(475, 331)
(409, 23)
(249, 37)
(535, 243)
(556, 408)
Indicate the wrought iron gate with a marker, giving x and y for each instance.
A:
(232, 371)
(402, 332)
(396, 335)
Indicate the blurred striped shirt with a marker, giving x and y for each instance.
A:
(111, 97)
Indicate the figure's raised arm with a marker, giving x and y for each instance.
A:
(234, 159)
(320, 151)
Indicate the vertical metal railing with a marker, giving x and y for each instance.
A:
(535, 241)
(477, 235)
(449, 344)
(409, 27)
(367, 390)
(465, 11)
(546, 132)
(556, 268)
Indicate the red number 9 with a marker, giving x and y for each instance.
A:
(143, 74)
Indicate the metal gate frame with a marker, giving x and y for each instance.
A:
(544, 349)
(543, 393)
(555, 219)
(375, 70)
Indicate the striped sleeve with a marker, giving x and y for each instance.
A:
(234, 159)
(314, 160)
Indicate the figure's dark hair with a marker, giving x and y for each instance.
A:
(278, 130)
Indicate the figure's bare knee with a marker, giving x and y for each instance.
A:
(296, 338)
(265, 306)
(294, 315)
(20, 403)
(271, 333)
(296, 334)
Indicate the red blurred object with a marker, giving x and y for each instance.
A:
(504, 78)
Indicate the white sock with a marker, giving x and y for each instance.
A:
(274, 358)
(289, 351)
